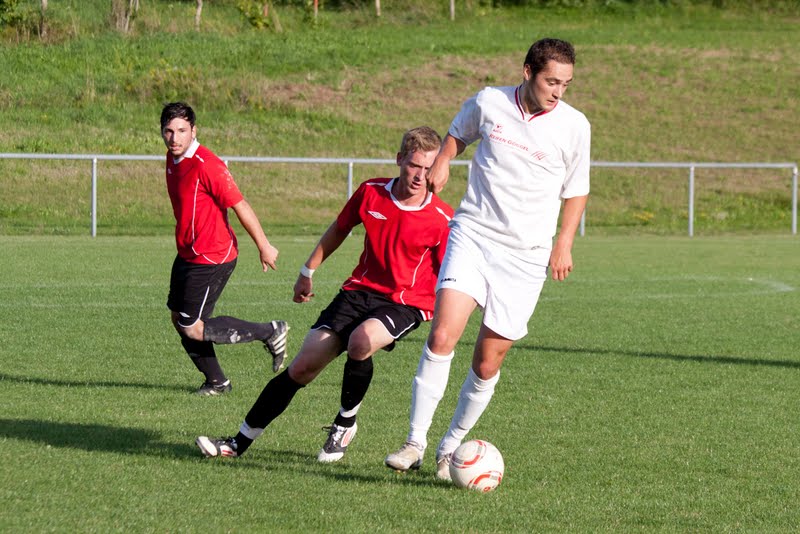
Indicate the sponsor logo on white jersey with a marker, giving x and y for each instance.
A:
(378, 215)
(497, 136)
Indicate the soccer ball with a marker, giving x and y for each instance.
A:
(477, 465)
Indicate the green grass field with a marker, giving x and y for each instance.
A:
(657, 391)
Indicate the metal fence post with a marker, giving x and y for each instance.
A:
(349, 179)
(94, 197)
(794, 201)
(691, 201)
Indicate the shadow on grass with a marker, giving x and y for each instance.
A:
(307, 464)
(91, 384)
(664, 356)
(104, 438)
(93, 438)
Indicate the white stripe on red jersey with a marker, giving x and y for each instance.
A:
(403, 246)
(201, 190)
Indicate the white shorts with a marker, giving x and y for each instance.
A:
(503, 283)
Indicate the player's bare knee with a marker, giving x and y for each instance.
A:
(441, 342)
(486, 370)
(301, 372)
(194, 331)
(359, 347)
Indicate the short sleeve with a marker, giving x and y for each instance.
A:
(350, 216)
(576, 182)
(466, 124)
(221, 184)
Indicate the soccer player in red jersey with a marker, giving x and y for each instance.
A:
(390, 292)
(201, 191)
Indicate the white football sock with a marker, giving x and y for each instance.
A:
(252, 433)
(426, 392)
(349, 413)
(472, 401)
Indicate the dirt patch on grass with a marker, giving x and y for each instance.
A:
(415, 90)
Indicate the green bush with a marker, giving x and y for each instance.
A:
(16, 16)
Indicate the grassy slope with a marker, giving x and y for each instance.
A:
(689, 84)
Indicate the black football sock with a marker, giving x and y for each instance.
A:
(225, 330)
(355, 382)
(274, 399)
(242, 443)
(205, 359)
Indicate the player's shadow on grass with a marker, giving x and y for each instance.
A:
(342, 471)
(305, 464)
(665, 356)
(90, 384)
(135, 441)
(93, 438)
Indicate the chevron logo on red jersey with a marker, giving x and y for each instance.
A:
(378, 215)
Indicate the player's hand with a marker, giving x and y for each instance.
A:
(438, 174)
(269, 258)
(302, 289)
(560, 264)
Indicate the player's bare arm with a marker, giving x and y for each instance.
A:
(268, 255)
(328, 243)
(561, 257)
(440, 170)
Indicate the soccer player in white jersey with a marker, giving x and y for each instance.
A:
(533, 155)
(390, 293)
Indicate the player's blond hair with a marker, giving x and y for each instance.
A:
(421, 139)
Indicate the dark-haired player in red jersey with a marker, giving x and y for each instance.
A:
(390, 292)
(201, 190)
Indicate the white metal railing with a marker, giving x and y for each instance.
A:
(693, 166)
(350, 162)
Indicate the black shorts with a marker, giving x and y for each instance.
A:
(351, 308)
(194, 289)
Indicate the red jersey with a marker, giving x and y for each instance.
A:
(201, 190)
(403, 246)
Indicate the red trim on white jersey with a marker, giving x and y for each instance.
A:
(522, 109)
(403, 246)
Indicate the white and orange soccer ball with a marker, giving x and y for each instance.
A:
(477, 465)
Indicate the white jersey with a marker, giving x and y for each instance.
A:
(523, 167)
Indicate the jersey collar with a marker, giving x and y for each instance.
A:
(189, 153)
(521, 109)
(403, 207)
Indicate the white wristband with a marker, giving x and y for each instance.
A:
(305, 271)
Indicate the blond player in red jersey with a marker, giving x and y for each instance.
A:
(201, 191)
(389, 294)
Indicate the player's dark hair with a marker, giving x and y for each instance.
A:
(421, 139)
(177, 110)
(549, 49)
